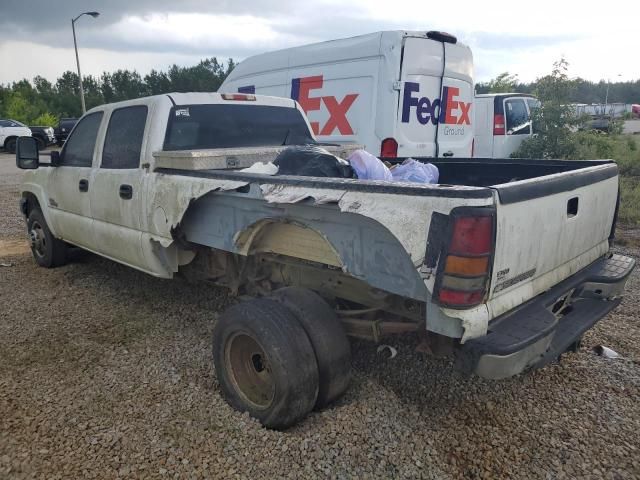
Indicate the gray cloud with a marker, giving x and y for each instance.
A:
(43, 15)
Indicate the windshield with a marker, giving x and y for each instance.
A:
(197, 127)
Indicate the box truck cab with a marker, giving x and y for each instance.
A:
(502, 121)
(398, 93)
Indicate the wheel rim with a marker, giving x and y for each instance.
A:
(249, 369)
(38, 240)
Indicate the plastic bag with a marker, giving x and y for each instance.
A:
(268, 168)
(368, 167)
(311, 161)
(412, 170)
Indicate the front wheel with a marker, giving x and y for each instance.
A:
(265, 363)
(47, 250)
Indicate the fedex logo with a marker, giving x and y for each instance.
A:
(448, 111)
(301, 92)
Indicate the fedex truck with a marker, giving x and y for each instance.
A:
(398, 93)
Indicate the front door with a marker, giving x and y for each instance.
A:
(70, 186)
(116, 196)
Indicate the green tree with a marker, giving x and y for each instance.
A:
(503, 83)
(555, 121)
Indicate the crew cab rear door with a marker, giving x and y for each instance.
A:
(116, 193)
(434, 114)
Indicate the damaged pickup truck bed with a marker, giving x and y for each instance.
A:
(504, 264)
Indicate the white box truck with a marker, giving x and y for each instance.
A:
(398, 93)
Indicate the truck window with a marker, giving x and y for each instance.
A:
(517, 117)
(78, 149)
(123, 141)
(193, 127)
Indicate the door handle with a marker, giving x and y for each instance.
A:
(448, 154)
(126, 192)
(83, 185)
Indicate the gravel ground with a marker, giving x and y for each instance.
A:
(106, 373)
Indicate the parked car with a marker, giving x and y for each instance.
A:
(505, 263)
(10, 130)
(398, 93)
(61, 132)
(502, 123)
(44, 134)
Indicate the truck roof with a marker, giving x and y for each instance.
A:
(199, 98)
(330, 51)
(505, 94)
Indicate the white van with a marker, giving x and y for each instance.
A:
(502, 121)
(383, 90)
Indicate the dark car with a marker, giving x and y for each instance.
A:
(44, 135)
(63, 129)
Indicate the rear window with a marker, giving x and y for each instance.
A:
(517, 117)
(196, 127)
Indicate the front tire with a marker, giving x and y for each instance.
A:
(265, 363)
(47, 250)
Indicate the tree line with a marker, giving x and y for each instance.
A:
(582, 91)
(41, 102)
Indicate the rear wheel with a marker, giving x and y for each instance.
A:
(265, 363)
(47, 250)
(10, 145)
(330, 343)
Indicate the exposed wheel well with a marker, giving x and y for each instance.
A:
(30, 202)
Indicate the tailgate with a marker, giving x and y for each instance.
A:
(548, 228)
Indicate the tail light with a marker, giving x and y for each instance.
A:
(247, 97)
(498, 124)
(465, 266)
(389, 148)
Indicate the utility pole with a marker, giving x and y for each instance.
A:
(75, 45)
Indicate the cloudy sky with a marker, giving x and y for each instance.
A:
(600, 40)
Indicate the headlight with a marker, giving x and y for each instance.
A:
(63, 129)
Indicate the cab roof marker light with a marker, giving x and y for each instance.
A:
(238, 96)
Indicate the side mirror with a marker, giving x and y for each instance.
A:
(27, 155)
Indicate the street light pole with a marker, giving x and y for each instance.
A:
(75, 45)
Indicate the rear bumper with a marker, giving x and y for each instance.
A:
(539, 331)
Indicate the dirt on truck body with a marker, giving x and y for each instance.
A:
(505, 263)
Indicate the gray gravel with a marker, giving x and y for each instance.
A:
(106, 373)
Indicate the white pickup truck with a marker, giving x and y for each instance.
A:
(505, 263)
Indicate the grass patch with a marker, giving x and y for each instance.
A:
(625, 150)
(629, 212)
